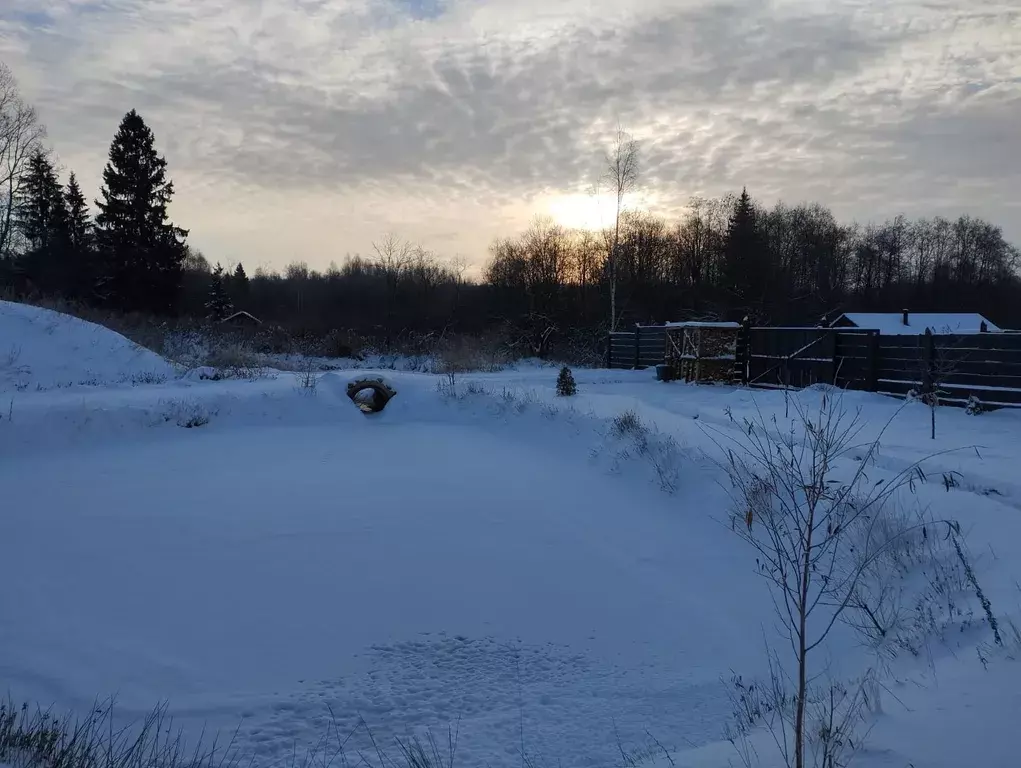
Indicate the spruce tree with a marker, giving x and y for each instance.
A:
(566, 386)
(81, 251)
(239, 284)
(218, 305)
(78, 224)
(39, 205)
(43, 221)
(141, 250)
(745, 256)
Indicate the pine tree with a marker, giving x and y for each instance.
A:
(79, 226)
(239, 284)
(81, 250)
(218, 305)
(39, 205)
(745, 257)
(566, 386)
(141, 250)
(43, 221)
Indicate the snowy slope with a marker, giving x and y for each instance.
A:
(43, 349)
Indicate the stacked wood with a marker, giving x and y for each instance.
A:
(702, 352)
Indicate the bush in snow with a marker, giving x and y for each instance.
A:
(187, 414)
(974, 406)
(307, 378)
(566, 386)
(660, 450)
(628, 423)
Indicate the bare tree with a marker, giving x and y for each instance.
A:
(622, 172)
(21, 134)
(816, 533)
(395, 258)
(937, 364)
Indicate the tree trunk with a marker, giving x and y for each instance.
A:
(803, 608)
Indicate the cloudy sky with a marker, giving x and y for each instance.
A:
(305, 129)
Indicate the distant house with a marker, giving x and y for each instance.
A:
(241, 320)
(907, 323)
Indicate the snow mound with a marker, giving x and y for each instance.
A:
(41, 349)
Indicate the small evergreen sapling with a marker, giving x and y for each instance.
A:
(565, 383)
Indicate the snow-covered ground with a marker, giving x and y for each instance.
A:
(41, 349)
(496, 558)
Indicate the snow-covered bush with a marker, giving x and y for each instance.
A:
(974, 406)
(645, 442)
(187, 414)
(627, 423)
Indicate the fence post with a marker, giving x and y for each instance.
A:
(609, 349)
(928, 350)
(638, 347)
(835, 357)
(872, 372)
(744, 350)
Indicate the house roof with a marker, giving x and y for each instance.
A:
(892, 323)
(242, 315)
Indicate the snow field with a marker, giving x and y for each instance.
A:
(492, 557)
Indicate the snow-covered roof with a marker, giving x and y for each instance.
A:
(699, 324)
(242, 315)
(892, 323)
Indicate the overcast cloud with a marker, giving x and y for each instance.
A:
(304, 129)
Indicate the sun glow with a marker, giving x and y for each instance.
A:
(581, 211)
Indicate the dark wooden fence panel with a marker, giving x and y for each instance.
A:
(956, 367)
(640, 347)
(799, 357)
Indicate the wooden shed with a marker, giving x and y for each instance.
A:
(702, 352)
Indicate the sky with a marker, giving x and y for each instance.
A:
(308, 129)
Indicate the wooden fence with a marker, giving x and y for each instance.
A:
(641, 347)
(986, 365)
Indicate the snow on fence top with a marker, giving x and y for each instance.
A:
(892, 323)
(698, 324)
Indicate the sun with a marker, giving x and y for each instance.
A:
(580, 211)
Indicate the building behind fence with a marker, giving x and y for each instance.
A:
(954, 366)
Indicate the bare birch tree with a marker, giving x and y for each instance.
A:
(622, 172)
(817, 524)
(21, 134)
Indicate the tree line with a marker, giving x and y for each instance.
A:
(128, 257)
(730, 257)
(725, 258)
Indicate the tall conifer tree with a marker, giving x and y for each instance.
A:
(141, 251)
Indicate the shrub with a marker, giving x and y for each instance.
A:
(33, 738)
(566, 387)
(628, 423)
(974, 406)
(188, 414)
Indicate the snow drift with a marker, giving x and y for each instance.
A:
(41, 349)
